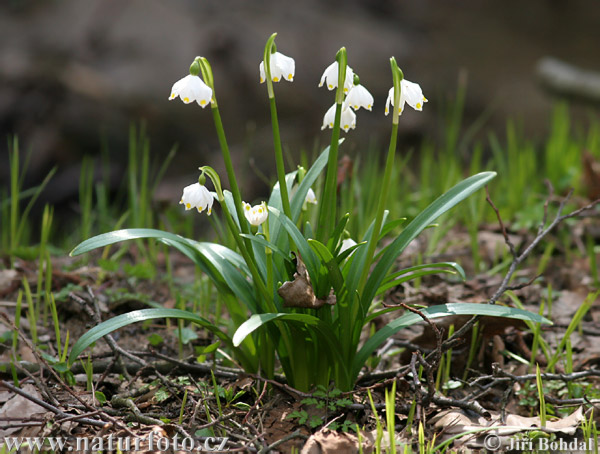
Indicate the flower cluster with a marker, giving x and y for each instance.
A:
(192, 88)
(357, 96)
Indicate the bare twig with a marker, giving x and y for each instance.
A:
(47, 406)
(456, 338)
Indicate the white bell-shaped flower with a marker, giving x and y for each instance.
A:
(192, 88)
(310, 197)
(282, 67)
(359, 97)
(197, 196)
(330, 75)
(256, 214)
(410, 93)
(347, 121)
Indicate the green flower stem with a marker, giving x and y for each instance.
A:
(327, 212)
(269, 256)
(285, 199)
(237, 198)
(387, 176)
(283, 190)
(256, 278)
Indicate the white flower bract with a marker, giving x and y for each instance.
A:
(282, 67)
(256, 214)
(359, 97)
(197, 196)
(330, 75)
(347, 121)
(310, 197)
(347, 244)
(410, 93)
(192, 88)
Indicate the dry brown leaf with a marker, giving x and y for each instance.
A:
(327, 441)
(453, 422)
(18, 408)
(299, 292)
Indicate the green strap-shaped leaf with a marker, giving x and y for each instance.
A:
(443, 310)
(449, 199)
(120, 321)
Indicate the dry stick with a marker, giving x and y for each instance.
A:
(296, 434)
(255, 406)
(95, 314)
(60, 381)
(40, 384)
(455, 339)
(47, 406)
(11, 325)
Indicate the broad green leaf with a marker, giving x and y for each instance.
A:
(453, 265)
(443, 310)
(258, 320)
(120, 321)
(117, 236)
(414, 272)
(449, 199)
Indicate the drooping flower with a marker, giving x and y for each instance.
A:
(359, 97)
(191, 88)
(410, 93)
(330, 75)
(256, 214)
(197, 196)
(310, 197)
(347, 121)
(282, 67)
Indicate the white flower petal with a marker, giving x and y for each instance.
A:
(330, 76)
(347, 244)
(310, 197)
(413, 94)
(359, 97)
(410, 93)
(197, 196)
(261, 69)
(329, 118)
(191, 88)
(348, 120)
(256, 214)
(282, 67)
